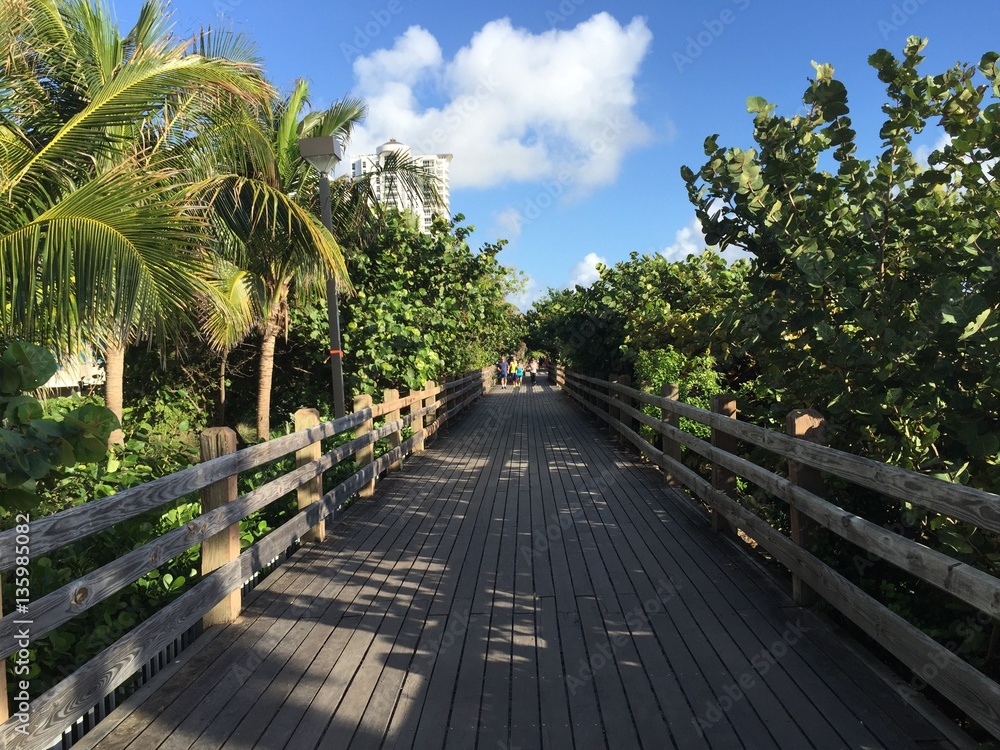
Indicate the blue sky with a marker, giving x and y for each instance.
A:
(569, 120)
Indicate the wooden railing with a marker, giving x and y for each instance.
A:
(216, 598)
(968, 688)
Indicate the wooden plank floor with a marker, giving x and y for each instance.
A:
(522, 584)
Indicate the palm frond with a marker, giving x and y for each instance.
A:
(284, 240)
(133, 94)
(99, 253)
(232, 306)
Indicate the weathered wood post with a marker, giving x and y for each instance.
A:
(417, 425)
(365, 455)
(671, 448)
(611, 407)
(224, 546)
(391, 395)
(431, 387)
(723, 479)
(428, 419)
(4, 700)
(805, 424)
(311, 491)
(625, 400)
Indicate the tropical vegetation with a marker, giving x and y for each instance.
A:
(871, 294)
(158, 210)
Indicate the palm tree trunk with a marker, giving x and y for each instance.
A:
(220, 402)
(114, 371)
(264, 382)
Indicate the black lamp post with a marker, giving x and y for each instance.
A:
(324, 153)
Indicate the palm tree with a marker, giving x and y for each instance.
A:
(272, 246)
(97, 237)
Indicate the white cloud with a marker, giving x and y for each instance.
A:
(530, 293)
(690, 240)
(414, 55)
(514, 106)
(687, 241)
(923, 153)
(509, 222)
(585, 272)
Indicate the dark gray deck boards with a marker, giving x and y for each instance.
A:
(523, 583)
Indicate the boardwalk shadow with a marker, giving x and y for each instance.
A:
(521, 583)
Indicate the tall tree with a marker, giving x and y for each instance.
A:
(269, 240)
(874, 292)
(96, 237)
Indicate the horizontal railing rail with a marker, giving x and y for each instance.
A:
(967, 687)
(215, 599)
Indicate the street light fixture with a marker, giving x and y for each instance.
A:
(324, 153)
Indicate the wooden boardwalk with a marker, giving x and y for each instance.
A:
(521, 584)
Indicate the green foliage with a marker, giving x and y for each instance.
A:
(874, 293)
(872, 296)
(32, 445)
(696, 377)
(425, 307)
(645, 304)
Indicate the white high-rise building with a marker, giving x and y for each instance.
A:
(424, 206)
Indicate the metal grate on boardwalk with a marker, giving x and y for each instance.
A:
(521, 584)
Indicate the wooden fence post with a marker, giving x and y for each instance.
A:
(388, 396)
(431, 416)
(805, 424)
(417, 426)
(671, 448)
(418, 445)
(4, 700)
(626, 400)
(311, 491)
(610, 407)
(365, 455)
(223, 547)
(723, 479)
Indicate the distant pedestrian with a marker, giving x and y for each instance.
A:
(533, 369)
(519, 374)
(504, 370)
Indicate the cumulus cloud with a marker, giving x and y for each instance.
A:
(585, 272)
(530, 294)
(687, 241)
(512, 105)
(923, 153)
(690, 240)
(509, 222)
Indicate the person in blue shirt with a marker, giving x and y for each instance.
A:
(504, 369)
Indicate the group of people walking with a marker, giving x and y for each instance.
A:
(510, 369)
